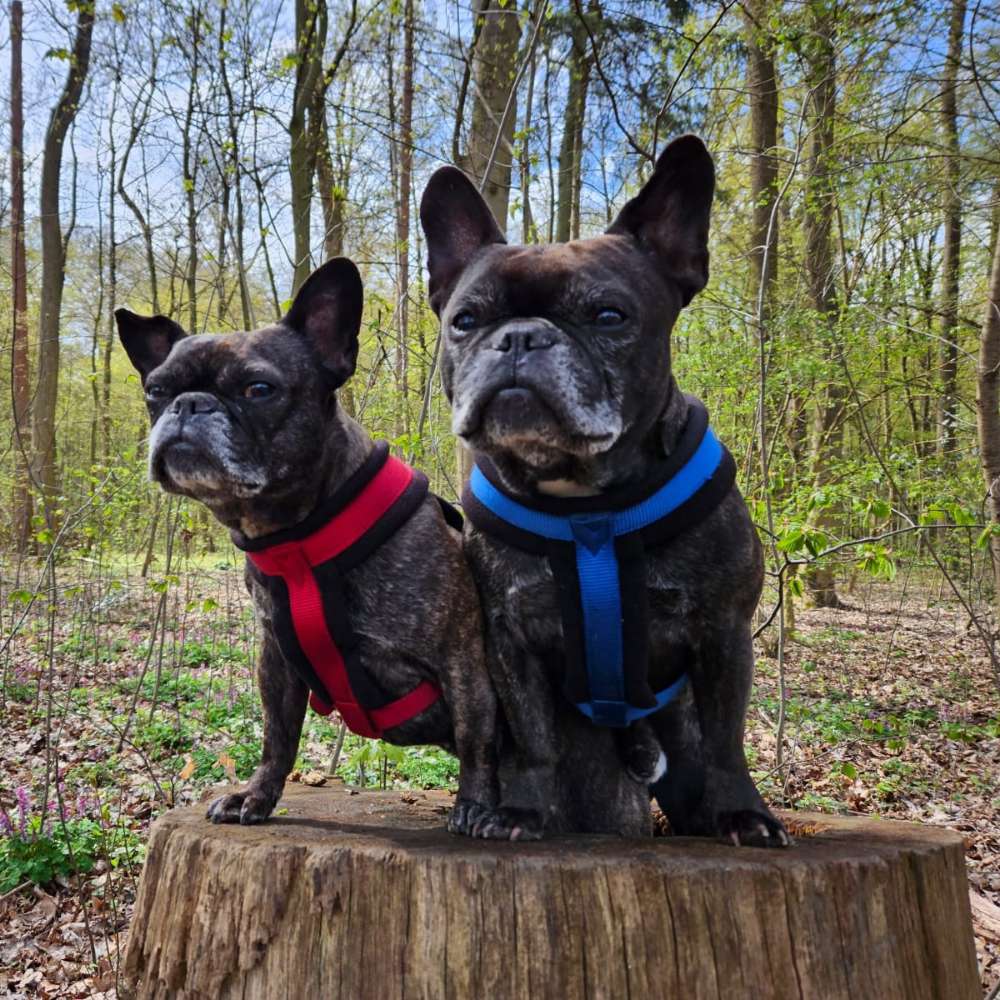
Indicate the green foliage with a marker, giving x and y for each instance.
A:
(44, 852)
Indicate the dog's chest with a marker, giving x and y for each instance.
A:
(531, 612)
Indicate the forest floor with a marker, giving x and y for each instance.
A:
(140, 695)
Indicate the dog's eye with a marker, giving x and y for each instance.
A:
(258, 390)
(609, 317)
(155, 392)
(464, 322)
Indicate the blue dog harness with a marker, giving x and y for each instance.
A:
(596, 549)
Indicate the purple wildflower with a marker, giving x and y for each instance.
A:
(23, 807)
(5, 824)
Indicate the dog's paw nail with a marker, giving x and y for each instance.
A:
(661, 768)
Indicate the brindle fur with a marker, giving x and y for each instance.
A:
(263, 465)
(551, 395)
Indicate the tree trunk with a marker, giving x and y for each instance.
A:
(405, 160)
(333, 188)
(580, 63)
(20, 375)
(112, 289)
(489, 154)
(762, 86)
(310, 34)
(235, 167)
(189, 168)
(821, 76)
(494, 110)
(140, 115)
(43, 429)
(365, 896)
(952, 223)
(528, 232)
(988, 413)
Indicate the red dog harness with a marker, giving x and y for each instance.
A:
(303, 569)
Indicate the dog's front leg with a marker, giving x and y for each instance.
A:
(721, 679)
(528, 786)
(473, 706)
(284, 697)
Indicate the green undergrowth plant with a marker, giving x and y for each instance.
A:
(68, 839)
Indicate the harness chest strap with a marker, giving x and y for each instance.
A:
(304, 568)
(597, 557)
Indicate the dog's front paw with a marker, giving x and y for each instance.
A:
(465, 815)
(510, 823)
(646, 765)
(245, 808)
(750, 828)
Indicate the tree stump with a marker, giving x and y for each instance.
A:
(349, 896)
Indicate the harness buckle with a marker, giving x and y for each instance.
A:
(592, 531)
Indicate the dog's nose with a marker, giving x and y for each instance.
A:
(524, 339)
(187, 404)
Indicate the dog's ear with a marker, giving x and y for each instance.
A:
(147, 339)
(327, 312)
(669, 216)
(457, 223)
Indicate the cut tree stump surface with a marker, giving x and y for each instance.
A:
(354, 896)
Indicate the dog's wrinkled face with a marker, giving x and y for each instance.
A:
(555, 354)
(237, 419)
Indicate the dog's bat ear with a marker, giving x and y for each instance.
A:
(669, 216)
(457, 223)
(327, 312)
(147, 339)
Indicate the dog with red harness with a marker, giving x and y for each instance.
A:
(365, 604)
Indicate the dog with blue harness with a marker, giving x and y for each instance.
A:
(616, 561)
(596, 550)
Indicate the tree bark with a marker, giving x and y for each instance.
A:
(365, 896)
(952, 224)
(988, 414)
(20, 374)
(43, 428)
(494, 109)
(580, 65)
(310, 34)
(825, 444)
(405, 161)
(189, 171)
(762, 86)
(529, 233)
(235, 168)
(489, 153)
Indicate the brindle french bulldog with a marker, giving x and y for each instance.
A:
(556, 361)
(249, 425)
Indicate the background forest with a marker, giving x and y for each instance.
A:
(198, 159)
